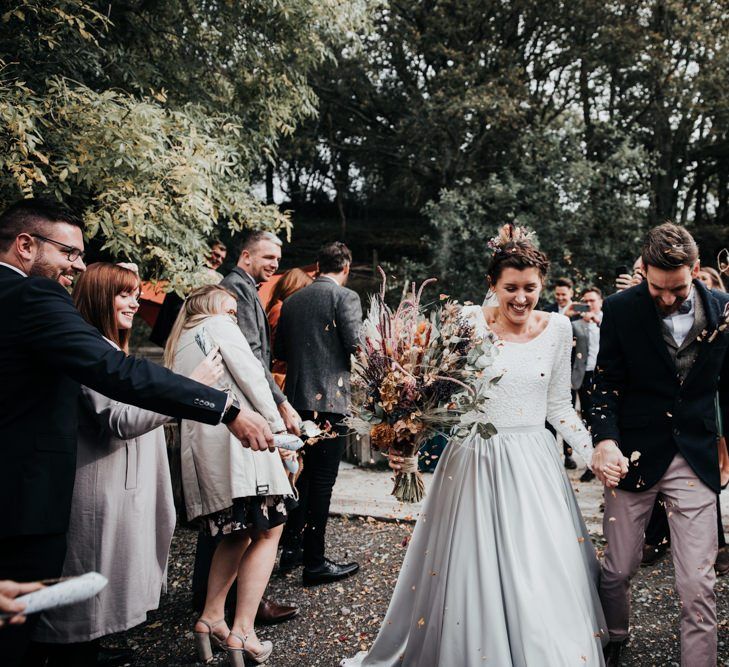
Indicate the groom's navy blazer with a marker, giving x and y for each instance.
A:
(639, 398)
(46, 350)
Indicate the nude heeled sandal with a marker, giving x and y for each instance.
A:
(204, 640)
(237, 656)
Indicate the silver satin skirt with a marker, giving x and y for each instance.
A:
(500, 569)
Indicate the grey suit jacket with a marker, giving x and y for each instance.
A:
(253, 323)
(581, 337)
(316, 336)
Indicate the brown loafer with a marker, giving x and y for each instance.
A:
(270, 613)
(722, 561)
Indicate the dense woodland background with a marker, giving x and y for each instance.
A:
(410, 129)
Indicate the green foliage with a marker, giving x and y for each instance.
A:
(151, 116)
(588, 121)
(568, 200)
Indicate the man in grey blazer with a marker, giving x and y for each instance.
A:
(586, 333)
(259, 259)
(316, 336)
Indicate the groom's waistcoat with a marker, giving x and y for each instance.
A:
(656, 398)
(685, 355)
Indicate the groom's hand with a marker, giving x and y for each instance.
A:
(252, 430)
(608, 463)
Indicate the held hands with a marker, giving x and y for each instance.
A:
(290, 417)
(9, 590)
(608, 463)
(252, 430)
(210, 369)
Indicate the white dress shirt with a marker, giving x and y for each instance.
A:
(14, 268)
(593, 344)
(680, 323)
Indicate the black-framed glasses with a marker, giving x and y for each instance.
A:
(72, 253)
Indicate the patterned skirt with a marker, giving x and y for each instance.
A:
(251, 512)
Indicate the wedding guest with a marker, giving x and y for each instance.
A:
(656, 382)
(9, 590)
(564, 290)
(711, 278)
(586, 333)
(173, 301)
(291, 281)
(258, 261)
(122, 513)
(46, 350)
(626, 280)
(239, 495)
(317, 334)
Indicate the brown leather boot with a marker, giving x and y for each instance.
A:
(270, 613)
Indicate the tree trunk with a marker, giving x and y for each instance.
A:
(269, 183)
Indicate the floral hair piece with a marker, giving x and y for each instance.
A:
(510, 233)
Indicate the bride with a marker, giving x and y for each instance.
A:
(500, 569)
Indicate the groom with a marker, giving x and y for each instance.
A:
(662, 359)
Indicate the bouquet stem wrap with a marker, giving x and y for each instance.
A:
(409, 486)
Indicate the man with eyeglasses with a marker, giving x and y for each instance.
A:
(46, 350)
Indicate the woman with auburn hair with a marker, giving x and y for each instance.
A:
(290, 282)
(122, 513)
(235, 492)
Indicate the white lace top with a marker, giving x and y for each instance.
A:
(535, 383)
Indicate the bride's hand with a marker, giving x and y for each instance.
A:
(210, 369)
(395, 462)
(608, 463)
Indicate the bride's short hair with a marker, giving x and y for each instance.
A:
(514, 249)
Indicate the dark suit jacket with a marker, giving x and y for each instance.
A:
(639, 398)
(316, 336)
(46, 350)
(171, 307)
(253, 323)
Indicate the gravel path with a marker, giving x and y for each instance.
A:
(339, 619)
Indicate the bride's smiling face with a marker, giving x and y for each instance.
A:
(518, 292)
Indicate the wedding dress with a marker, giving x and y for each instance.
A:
(500, 569)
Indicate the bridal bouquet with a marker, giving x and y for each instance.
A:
(415, 375)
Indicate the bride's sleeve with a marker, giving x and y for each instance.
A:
(560, 412)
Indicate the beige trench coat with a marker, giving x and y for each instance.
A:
(215, 466)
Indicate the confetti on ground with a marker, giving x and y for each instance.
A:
(337, 621)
